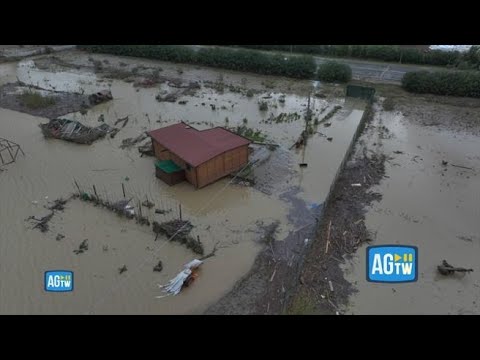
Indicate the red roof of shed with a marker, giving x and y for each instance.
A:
(194, 146)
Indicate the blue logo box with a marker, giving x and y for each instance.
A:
(392, 264)
(58, 281)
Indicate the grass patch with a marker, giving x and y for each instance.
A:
(263, 106)
(302, 304)
(34, 100)
(283, 118)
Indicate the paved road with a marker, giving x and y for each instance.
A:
(371, 70)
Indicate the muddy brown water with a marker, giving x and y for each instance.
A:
(222, 213)
(428, 205)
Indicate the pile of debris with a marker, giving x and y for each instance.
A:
(171, 97)
(179, 230)
(100, 97)
(129, 142)
(42, 223)
(74, 131)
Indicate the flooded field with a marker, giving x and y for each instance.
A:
(430, 200)
(223, 214)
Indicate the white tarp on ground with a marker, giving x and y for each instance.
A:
(174, 286)
(461, 48)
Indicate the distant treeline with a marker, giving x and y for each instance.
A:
(389, 53)
(302, 67)
(450, 83)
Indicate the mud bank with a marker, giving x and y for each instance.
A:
(56, 103)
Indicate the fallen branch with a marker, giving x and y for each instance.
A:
(212, 252)
(43, 222)
(328, 236)
(447, 269)
(462, 167)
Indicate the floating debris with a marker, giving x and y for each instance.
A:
(100, 97)
(122, 269)
(82, 248)
(158, 267)
(447, 269)
(183, 279)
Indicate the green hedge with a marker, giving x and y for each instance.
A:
(332, 71)
(302, 67)
(448, 83)
(390, 53)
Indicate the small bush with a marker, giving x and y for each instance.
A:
(34, 100)
(388, 104)
(332, 71)
(449, 83)
(263, 106)
(250, 93)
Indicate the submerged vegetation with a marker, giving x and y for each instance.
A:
(34, 100)
(249, 133)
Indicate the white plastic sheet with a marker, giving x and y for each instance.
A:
(174, 286)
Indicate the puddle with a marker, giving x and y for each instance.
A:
(428, 205)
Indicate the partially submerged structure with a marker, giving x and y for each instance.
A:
(9, 151)
(200, 157)
(74, 131)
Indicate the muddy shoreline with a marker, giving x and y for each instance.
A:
(64, 103)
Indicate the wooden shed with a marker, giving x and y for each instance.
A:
(203, 156)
